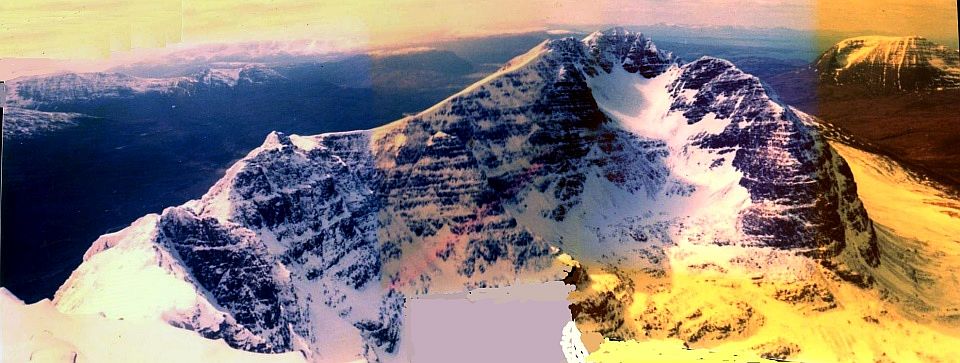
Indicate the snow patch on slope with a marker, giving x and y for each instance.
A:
(125, 275)
(21, 122)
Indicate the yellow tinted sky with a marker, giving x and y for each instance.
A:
(93, 29)
(930, 18)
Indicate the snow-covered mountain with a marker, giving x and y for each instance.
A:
(891, 64)
(23, 121)
(607, 150)
(29, 92)
(32, 103)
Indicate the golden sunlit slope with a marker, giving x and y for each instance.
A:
(919, 226)
(719, 312)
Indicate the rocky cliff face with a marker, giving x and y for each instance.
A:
(890, 64)
(607, 149)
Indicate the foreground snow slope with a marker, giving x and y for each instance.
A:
(40, 333)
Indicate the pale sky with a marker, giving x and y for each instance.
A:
(99, 29)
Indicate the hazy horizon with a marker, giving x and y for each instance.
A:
(102, 29)
(16, 67)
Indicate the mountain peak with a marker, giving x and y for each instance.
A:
(891, 63)
(615, 31)
(616, 35)
(634, 51)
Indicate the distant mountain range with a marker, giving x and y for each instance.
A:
(44, 98)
